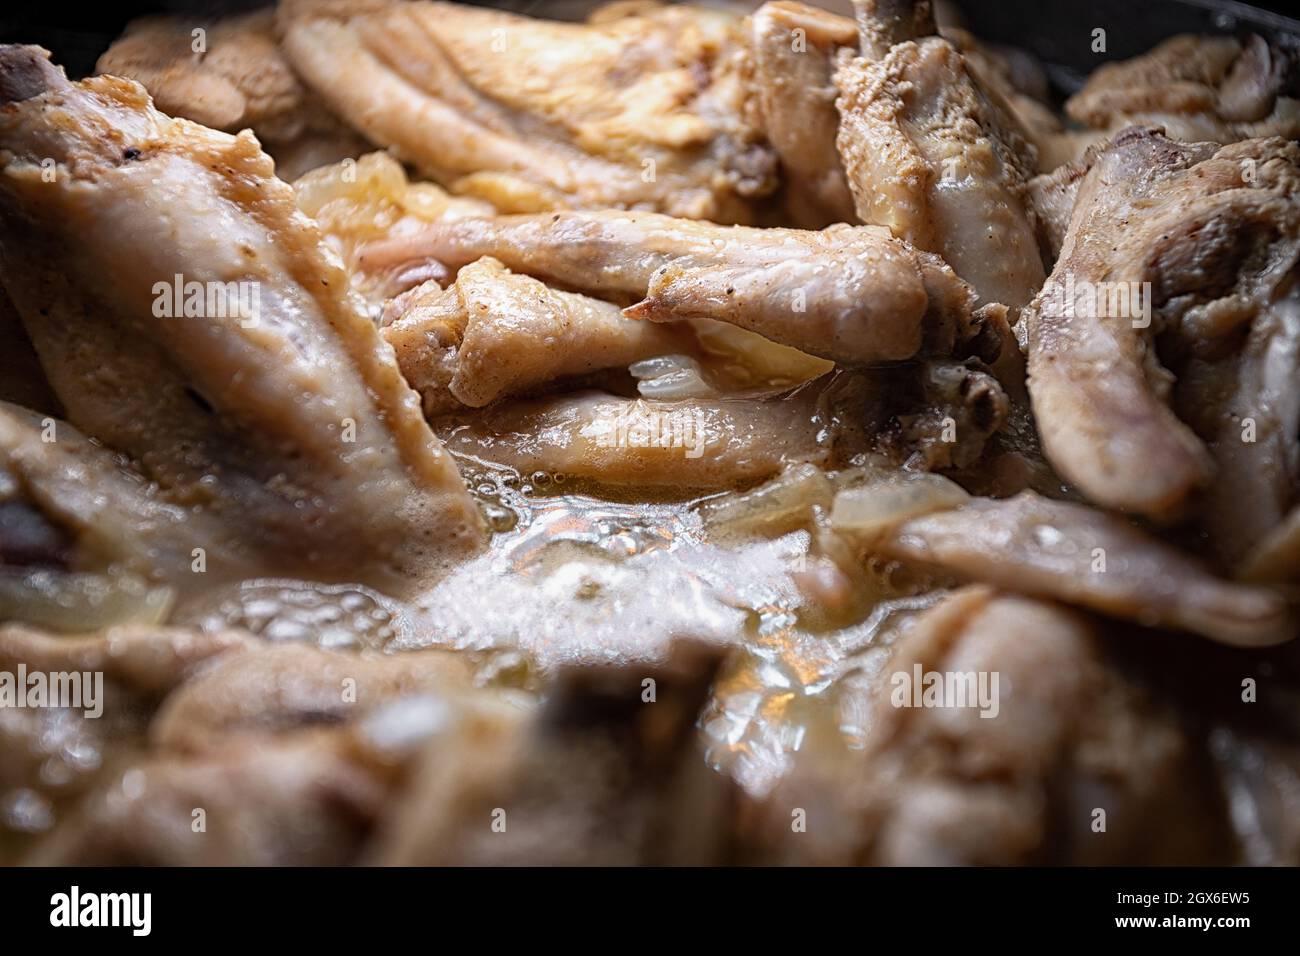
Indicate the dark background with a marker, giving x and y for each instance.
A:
(1057, 31)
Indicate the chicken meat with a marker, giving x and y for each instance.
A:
(934, 156)
(189, 316)
(850, 294)
(643, 110)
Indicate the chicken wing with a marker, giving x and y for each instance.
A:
(190, 317)
(601, 776)
(849, 294)
(688, 445)
(640, 111)
(1198, 88)
(494, 333)
(1053, 549)
(933, 156)
(86, 540)
(1193, 241)
(1246, 407)
(230, 75)
(792, 50)
(55, 754)
(1049, 730)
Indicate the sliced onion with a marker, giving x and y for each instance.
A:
(373, 177)
(872, 509)
(670, 378)
(772, 508)
(77, 602)
(754, 361)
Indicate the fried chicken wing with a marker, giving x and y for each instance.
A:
(717, 323)
(84, 538)
(850, 294)
(792, 50)
(1069, 552)
(696, 444)
(1246, 407)
(933, 156)
(494, 333)
(1196, 242)
(275, 406)
(53, 755)
(292, 802)
(1198, 88)
(603, 775)
(230, 75)
(1059, 733)
(639, 111)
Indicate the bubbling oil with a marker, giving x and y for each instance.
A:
(573, 575)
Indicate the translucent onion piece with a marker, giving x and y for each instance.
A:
(753, 361)
(872, 509)
(774, 507)
(77, 602)
(373, 177)
(670, 378)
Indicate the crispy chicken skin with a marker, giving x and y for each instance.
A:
(933, 156)
(850, 294)
(1206, 240)
(639, 111)
(494, 333)
(293, 401)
